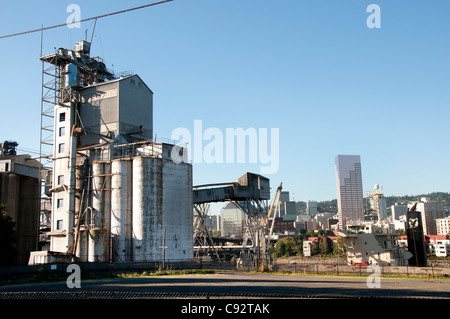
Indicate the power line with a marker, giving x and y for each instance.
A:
(83, 20)
(27, 150)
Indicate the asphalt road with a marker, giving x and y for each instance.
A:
(238, 284)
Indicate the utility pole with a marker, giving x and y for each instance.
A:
(163, 247)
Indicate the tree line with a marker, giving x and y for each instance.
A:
(293, 246)
(330, 206)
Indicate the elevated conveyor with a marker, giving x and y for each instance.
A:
(247, 192)
(248, 186)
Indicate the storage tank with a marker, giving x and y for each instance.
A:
(162, 202)
(98, 241)
(121, 203)
(177, 209)
(147, 209)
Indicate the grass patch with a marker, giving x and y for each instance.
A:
(167, 272)
(356, 275)
(46, 276)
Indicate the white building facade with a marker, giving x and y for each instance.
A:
(374, 244)
(443, 226)
(430, 211)
(232, 220)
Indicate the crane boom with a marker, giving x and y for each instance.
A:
(273, 208)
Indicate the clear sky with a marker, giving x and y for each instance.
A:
(312, 69)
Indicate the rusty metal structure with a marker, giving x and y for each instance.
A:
(250, 193)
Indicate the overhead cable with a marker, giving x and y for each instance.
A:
(84, 20)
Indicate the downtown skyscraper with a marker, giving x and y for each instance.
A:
(349, 189)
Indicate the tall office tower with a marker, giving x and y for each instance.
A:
(398, 210)
(349, 189)
(311, 208)
(284, 197)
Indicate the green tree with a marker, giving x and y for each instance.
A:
(324, 247)
(286, 246)
(339, 247)
(314, 248)
(215, 233)
(7, 237)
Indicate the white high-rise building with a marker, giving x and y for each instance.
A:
(349, 189)
(431, 211)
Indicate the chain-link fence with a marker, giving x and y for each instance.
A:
(45, 272)
(48, 272)
(338, 269)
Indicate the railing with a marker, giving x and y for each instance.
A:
(337, 269)
(124, 151)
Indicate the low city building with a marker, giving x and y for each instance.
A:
(373, 244)
(442, 248)
(443, 226)
(282, 226)
(307, 248)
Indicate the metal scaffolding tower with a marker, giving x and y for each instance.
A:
(249, 193)
(64, 72)
(49, 98)
(202, 237)
(50, 94)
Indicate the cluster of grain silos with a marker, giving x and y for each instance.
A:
(138, 204)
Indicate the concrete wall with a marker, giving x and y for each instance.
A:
(135, 95)
(177, 210)
(20, 194)
(64, 182)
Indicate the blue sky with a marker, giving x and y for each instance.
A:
(312, 69)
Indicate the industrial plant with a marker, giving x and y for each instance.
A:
(112, 192)
(105, 190)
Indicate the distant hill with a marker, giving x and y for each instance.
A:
(437, 196)
(331, 205)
